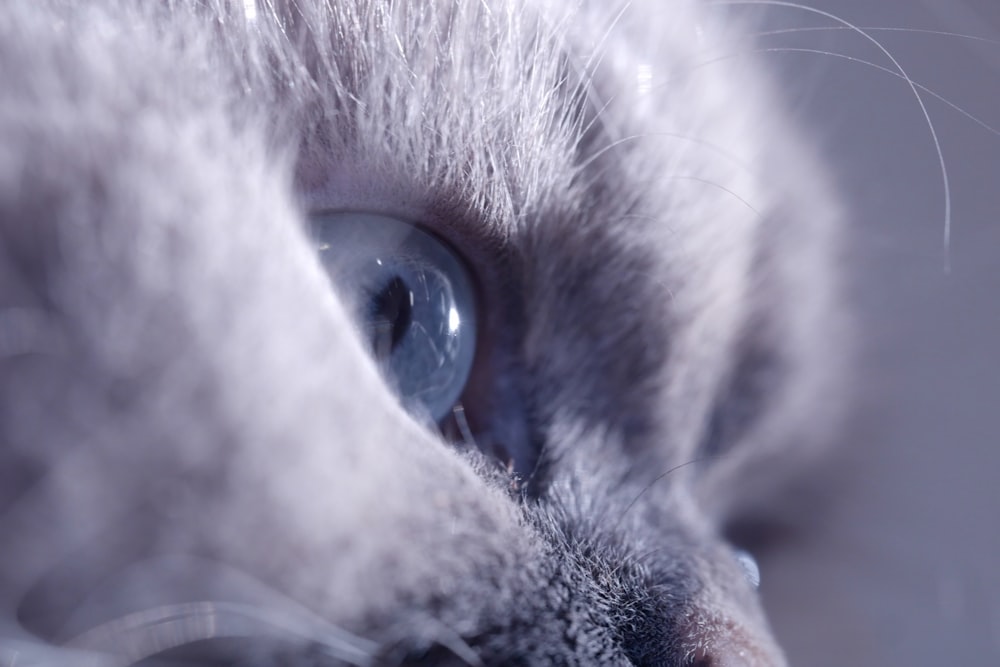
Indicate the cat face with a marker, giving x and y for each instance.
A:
(209, 455)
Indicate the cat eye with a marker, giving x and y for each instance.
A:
(413, 299)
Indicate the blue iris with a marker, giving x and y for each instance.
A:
(413, 299)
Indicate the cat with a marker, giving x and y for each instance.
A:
(401, 333)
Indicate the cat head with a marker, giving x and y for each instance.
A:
(201, 444)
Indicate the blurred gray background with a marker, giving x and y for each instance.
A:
(906, 568)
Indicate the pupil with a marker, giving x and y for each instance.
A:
(392, 312)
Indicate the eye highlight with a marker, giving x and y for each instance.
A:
(413, 299)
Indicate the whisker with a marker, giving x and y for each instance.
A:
(656, 480)
(459, 647)
(143, 634)
(861, 61)
(713, 184)
(906, 77)
(870, 29)
(396, 650)
(33, 653)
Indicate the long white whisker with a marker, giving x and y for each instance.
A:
(870, 29)
(906, 77)
(143, 634)
(861, 61)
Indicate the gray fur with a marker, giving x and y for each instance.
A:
(177, 376)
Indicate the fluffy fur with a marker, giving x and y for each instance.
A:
(184, 400)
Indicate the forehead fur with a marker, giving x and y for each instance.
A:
(496, 105)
